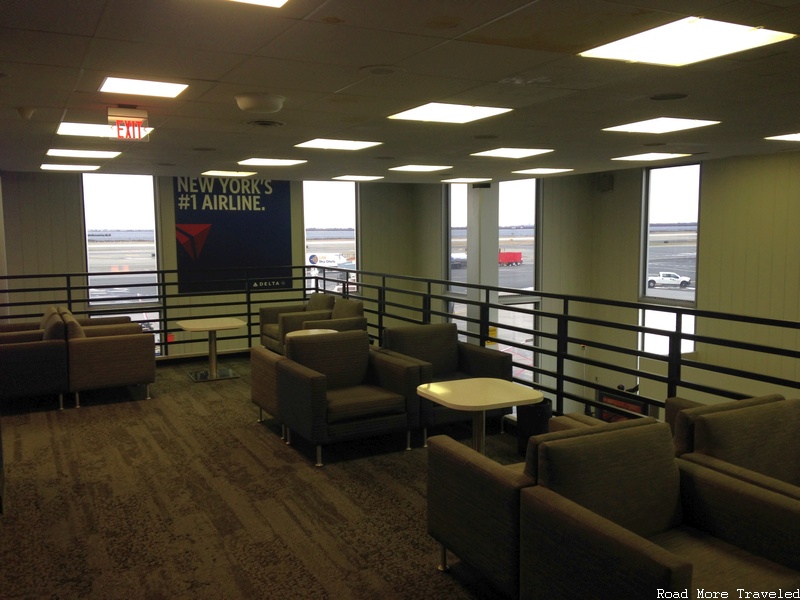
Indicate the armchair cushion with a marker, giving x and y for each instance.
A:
(319, 301)
(757, 438)
(344, 365)
(344, 308)
(357, 402)
(435, 343)
(642, 495)
(683, 429)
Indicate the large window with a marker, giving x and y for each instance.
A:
(119, 216)
(515, 256)
(329, 212)
(671, 242)
(458, 234)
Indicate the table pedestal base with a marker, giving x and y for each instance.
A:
(201, 376)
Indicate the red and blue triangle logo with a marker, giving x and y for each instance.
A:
(192, 237)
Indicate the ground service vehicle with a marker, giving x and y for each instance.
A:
(667, 278)
(509, 259)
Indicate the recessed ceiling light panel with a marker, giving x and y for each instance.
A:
(271, 162)
(267, 3)
(542, 171)
(215, 173)
(512, 152)
(421, 168)
(789, 137)
(142, 87)
(57, 167)
(358, 177)
(467, 180)
(437, 112)
(687, 41)
(327, 144)
(651, 156)
(661, 125)
(65, 152)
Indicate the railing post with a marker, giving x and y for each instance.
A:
(483, 325)
(674, 359)
(561, 353)
(426, 306)
(381, 309)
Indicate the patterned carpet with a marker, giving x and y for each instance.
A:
(186, 495)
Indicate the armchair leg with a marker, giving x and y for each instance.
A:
(319, 455)
(443, 566)
(288, 437)
(147, 391)
(408, 440)
(77, 399)
(61, 402)
(424, 437)
(283, 431)
(261, 416)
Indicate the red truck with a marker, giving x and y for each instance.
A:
(509, 259)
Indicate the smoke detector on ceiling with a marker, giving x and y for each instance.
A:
(260, 103)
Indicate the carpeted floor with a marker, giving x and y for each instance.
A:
(186, 495)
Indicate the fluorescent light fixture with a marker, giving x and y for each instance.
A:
(271, 162)
(93, 130)
(467, 180)
(789, 137)
(421, 168)
(687, 41)
(512, 152)
(661, 125)
(142, 87)
(358, 177)
(268, 3)
(448, 113)
(650, 156)
(56, 167)
(326, 144)
(214, 173)
(82, 153)
(542, 171)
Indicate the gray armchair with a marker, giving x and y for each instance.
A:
(346, 315)
(264, 383)
(276, 321)
(335, 387)
(473, 505)
(758, 444)
(615, 514)
(442, 357)
(106, 356)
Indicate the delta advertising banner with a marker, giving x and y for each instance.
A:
(232, 223)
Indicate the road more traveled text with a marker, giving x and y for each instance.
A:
(740, 593)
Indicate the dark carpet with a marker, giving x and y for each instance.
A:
(186, 495)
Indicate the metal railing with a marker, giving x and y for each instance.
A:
(576, 350)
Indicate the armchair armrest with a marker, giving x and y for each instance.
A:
(747, 475)
(760, 521)
(113, 360)
(87, 321)
(473, 509)
(484, 362)
(293, 321)
(91, 331)
(269, 314)
(18, 326)
(559, 537)
(21, 335)
(398, 375)
(343, 324)
(425, 368)
(302, 395)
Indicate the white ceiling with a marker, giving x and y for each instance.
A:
(319, 53)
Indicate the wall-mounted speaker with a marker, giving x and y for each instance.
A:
(604, 182)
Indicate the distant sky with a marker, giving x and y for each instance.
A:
(118, 201)
(517, 203)
(674, 194)
(329, 204)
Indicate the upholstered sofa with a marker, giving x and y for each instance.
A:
(275, 321)
(335, 387)
(442, 357)
(759, 444)
(33, 356)
(615, 515)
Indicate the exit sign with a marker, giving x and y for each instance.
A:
(128, 124)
